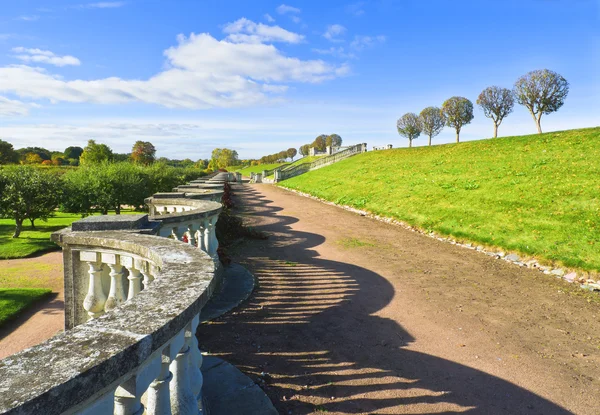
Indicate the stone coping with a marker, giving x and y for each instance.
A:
(90, 360)
(201, 209)
(207, 186)
(111, 222)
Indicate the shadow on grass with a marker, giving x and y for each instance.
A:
(31, 242)
(313, 329)
(15, 301)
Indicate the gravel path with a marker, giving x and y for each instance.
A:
(354, 316)
(46, 318)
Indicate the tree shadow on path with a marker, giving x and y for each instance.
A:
(309, 335)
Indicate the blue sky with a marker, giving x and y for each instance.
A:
(263, 76)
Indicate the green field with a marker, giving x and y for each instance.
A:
(258, 169)
(538, 195)
(34, 241)
(15, 300)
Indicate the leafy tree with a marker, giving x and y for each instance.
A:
(8, 155)
(305, 150)
(541, 92)
(409, 126)
(28, 194)
(73, 152)
(291, 153)
(333, 140)
(121, 157)
(95, 153)
(458, 112)
(143, 152)
(432, 121)
(59, 161)
(320, 142)
(32, 158)
(496, 104)
(223, 158)
(44, 154)
(200, 164)
(282, 155)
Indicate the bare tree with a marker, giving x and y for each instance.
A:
(541, 92)
(496, 104)
(432, 121)
(458, 112)
(409, 126)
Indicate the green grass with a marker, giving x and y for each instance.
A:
(34, 241)
(538, 195)
(15, 300)
(258, 169)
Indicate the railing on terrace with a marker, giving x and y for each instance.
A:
(320, 162)
(132, 307)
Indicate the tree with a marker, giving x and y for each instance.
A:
(409, 126)
(333, 140)
(541, 92)
(282, 155)
(143, 152)
(291, 153)
(496, 104)
(8, 155)
(320, 143)
(73, 152)
(222, 158)
(95, 153)
(28, 194)
(432, 121)
(32, 158)
(44, 154)
(305, 150)
(458, 112)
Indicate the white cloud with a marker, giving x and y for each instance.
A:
(104, 5)
(30, 18)
(356, 9)
(337, 52)
(269, 18)
(44, 56)
(12, 108)
(333, 31)
(363, 42)
(202, 72)
(246, 31)
(285, 9)
(296, 19)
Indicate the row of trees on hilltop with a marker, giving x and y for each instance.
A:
(29, 194)
(541, 92)
(280, 157)
(321, 143)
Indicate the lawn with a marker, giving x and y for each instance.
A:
(538, 195)
(33, 241)
(258, 169)
(15, 300)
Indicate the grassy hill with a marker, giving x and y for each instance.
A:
(258, 169)
(538, 194)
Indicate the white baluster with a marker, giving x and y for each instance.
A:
(201, 236)
(134, 277)
(144, 267)
(190, 231)
(174, 234)
(96, 298)
(116, 295)
(206, 238)
(198, 238)
(183, 400)
(128, 395)
(159, 396)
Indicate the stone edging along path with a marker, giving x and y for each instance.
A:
(569, 275)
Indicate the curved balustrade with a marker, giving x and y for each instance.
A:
(140, 345)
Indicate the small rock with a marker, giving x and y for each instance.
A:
(500, 254)
(479, 248)
(558, 272)
(570, 277)
(469, 245)
(594, 287)
(512, 258)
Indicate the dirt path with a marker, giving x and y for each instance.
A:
(354, 316)
(43, 320)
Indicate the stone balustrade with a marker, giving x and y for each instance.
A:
(134, 289)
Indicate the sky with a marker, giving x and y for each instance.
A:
(262, 76)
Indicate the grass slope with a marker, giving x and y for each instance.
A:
(15, 300)
(538, 195)
(258, 169)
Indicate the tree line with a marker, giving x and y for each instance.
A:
(320, 144)
(541, 92)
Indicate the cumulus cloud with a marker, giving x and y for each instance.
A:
(246, 31)
(201, 72)
(44, 56)
(363, 42)
(333, 31)
(12, 108)
(269, 18)
(337, 52)
(285, 9)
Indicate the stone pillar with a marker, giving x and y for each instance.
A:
(328, 150)
(311, 151)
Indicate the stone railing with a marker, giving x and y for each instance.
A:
(320, 162)
(269, 172)
(132, 307)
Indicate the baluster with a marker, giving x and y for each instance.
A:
(199, 238)
(213, 235)
(96, 298)
(134, 277)
(195, 360)
(159, 397)
(205, 239)
(144, 267)
(116, 296)
(128, 396)
(183, 400)
(191, 236)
